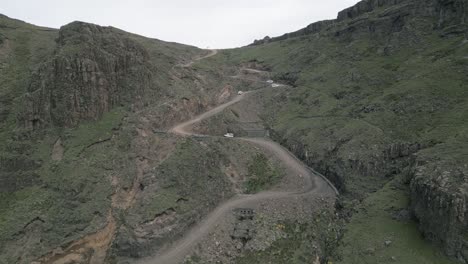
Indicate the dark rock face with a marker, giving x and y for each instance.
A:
(451, 12)
(310, 29)
(382, 17)
(17, 173)
(365, 6)
(385, 161)
(94, 69)
(439, 202)
(388, 16)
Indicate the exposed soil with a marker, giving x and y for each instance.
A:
(90, 249)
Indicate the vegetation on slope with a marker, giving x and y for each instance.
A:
(262, 174)
(375, 94)
(382, 231)
(378, 93)
(63, 177)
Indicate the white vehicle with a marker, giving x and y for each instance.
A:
(275, 85)
(240, 92)
(270, 81)
(229, 135)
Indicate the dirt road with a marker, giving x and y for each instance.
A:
(255, 71)
(315, 185)
(211, 54)
(183, 128)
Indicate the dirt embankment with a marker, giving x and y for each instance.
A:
(93, 248)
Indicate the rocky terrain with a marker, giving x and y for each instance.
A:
(375, 100)
(84, 168)
(380, 95)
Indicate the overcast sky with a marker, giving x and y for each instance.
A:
(203, 23)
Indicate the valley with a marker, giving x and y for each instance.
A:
(347, 143)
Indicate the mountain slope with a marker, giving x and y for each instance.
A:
(376, 101)
(379, 94)
(79, 107)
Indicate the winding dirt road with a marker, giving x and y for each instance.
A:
(183, 128)
(255, 71)
(211, 54)
(315, 185)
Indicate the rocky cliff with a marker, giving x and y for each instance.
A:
(439, 194)
(72, 106)
(447, 12)
(383, 16)
(310, 29)
(343, 166)
(93, 70)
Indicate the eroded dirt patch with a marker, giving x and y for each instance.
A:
(90, 249)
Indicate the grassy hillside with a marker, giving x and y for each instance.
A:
(374, 97)
(376, 100)
(78, 107)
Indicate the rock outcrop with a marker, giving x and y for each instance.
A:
(17, 172)
(382, 17)
(365, 6)
(310, 29)
(439, 201)
(339, 163)
(93, 70)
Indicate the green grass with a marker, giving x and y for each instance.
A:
(192, 174)
(262, 174)
(73, 195)
(91, 132)
(301, 242)
(372, 225)
(351, 104)
(162, 201)
(417, 94)
(24, 48)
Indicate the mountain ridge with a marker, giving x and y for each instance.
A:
(447, 12)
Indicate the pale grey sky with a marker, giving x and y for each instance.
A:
(203, 23)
